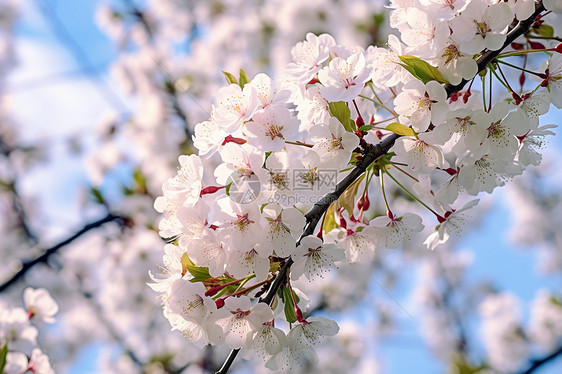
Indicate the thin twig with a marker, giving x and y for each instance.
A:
(48, 252)
(538, 363)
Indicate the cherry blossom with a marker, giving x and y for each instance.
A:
(344, 79)
(269, 128)
(308, 57)
(422, 104)
(40, 304)
(240, 320)
(313, 258)
(235, 105)
(396, 230)
(451, 223)
(334, 144)
(481, 25)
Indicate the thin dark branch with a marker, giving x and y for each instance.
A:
(139, 15)
(538, 363)
(489, 56)
(48, 252)
(12, 186)
(370, 154)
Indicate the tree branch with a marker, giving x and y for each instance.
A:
(48, 252)
(370, 154)
(489, 56)
(538, 363)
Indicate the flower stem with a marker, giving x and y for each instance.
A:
(522, 52)
(519, 68)
(405, 172)
(411, 194)
(388, 212)
(380, 101)
(299, 143)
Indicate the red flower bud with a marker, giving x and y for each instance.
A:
(232, 139)
(363, 203)
(516, 46)
(536, 45)
(465, 97)
(210, 189)
(359, 121)
(219, 302)
(517, 98)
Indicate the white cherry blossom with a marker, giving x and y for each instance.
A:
(452, 224)
(240, 320)
(313, 258)
(481, 25)
(394, 231)
(271, 127)
(40, 304)
(308, 57)
(284, 228)
(235, 105)
(185, 187)
(334, 144)
(343, 79)
(422, 104)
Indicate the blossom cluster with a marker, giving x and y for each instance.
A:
(19, 352)
(278, 147)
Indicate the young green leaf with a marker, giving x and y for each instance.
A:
(366, 127)
(329, 222)
(421, 69)
(287, 297)
(341, 111)
(243, 78)
(347, 198)
(230, 79)
(544, 30)
(400, 129)
(3, 355)
(200, 274)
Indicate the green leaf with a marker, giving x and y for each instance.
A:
(366, 127)
(287, 297)
(98, 196)
(544, 30)
(556, 300)
(459, 365)
(227, 189)
(243, 78)
(400, 129)
(347, 198)
(330, 219)
(421, 69)
(230, 79)
(340, 111)
(140, 180)
(3, 355)
(200, 274)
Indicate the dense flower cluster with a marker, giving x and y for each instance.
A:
(281, 147)
(19, 352)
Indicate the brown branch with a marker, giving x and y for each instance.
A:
(538, 363)
(489, 56)
(370, 154)
(50, 251)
